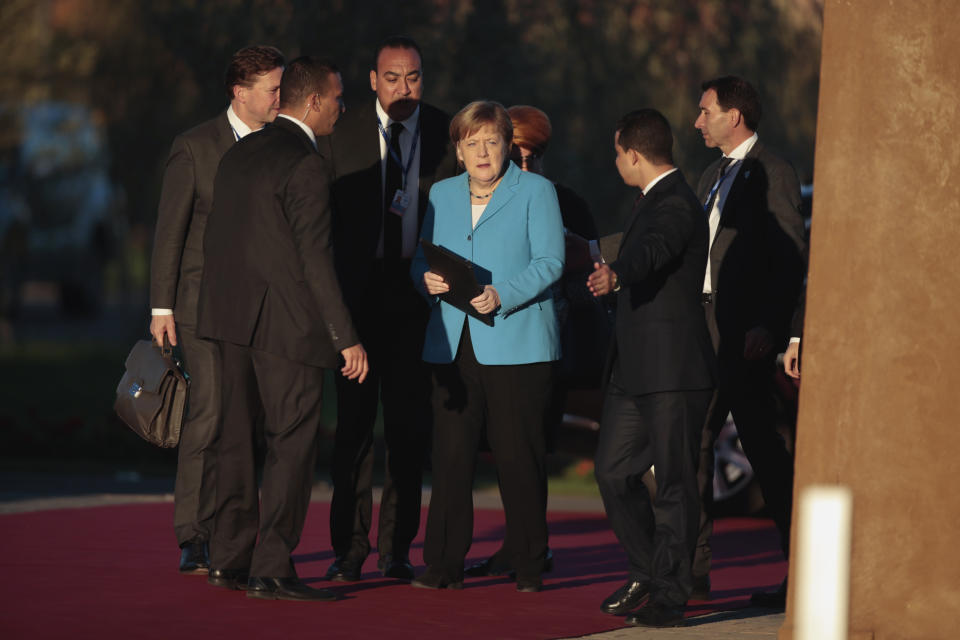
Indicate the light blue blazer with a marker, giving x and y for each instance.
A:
(517, 246)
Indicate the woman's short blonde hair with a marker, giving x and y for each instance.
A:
(477, 115)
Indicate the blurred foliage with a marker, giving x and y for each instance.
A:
(153, 69)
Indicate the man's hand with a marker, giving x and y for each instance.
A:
(356, 366)
(434, 283)
(488, 301)
(160, 325)
(603, 280)
(791, 360)
(757, 344)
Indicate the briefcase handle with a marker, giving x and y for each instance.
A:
(166, 350)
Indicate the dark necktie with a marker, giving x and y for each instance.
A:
(724, 165)
(392, 223)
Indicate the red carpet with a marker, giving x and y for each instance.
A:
(110, 572)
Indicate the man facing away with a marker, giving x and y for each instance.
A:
(253, 88)
(753, 278)
(660, 376)
(386, 153)
(271, 300)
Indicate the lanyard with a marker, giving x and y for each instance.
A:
(413, 149)
(716, 186)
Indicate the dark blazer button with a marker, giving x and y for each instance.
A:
(468, 238)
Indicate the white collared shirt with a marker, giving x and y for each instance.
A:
(240, 128)
(737, 155)
(660, 177)
(307, 130)
(410, 218)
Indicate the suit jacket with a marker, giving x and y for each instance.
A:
(756, 259)
(269, 281)
(356, 194)
(517, 246)
(186, 199)
(660, 340)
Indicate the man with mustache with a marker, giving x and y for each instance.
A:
(386, 153)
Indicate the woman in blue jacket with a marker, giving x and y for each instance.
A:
(507, 223)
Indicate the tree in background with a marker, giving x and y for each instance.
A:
(151, 70)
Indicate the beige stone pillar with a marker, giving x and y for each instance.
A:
(880, 399)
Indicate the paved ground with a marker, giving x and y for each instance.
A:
(22, 492)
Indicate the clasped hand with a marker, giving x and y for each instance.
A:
(486, 302)
(603, 279)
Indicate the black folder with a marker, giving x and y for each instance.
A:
(457, 272)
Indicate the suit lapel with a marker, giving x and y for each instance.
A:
(223, 137)
(504, 193)
(648, 201)
(432, 147)
(739, 182)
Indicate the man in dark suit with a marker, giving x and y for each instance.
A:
(751, 198)
(253, 87)
(270, 298)
(660, 376)
(386, 154)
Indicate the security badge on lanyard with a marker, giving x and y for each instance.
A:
(401, 199)
(400, 202)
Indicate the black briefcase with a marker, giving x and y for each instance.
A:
(152, 395)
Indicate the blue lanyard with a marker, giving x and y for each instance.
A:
(413, 149)
(716, 186)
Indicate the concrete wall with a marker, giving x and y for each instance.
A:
(880, 398)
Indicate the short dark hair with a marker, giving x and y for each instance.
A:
(304, 77)
(736, 93)
(396, 42)
(648, 133)
(248, 63)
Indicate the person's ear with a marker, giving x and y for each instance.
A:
(373, 79)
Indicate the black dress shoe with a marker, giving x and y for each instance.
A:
(344, 570)
(771, 599)
(626, 598)
(493, 567)
(529, 585)
(286, 589)
(195, 558)
(701, 588)
(656, 615)
(400, 569)
(434, 579)
(489, 567)
(235, 579)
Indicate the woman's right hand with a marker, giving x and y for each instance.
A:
(434, 283)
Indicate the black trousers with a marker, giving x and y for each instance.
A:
(392, 329)
(259, 532)
(512, 401)
(746, 390)
(660, 430)
(194, 490)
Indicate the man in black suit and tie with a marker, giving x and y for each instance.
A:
(271, 300)
(660, 376)
(253, 87)
(387, 153)
(751, 198)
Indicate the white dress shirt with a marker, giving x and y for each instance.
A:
(410, 218)
(737, 155)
